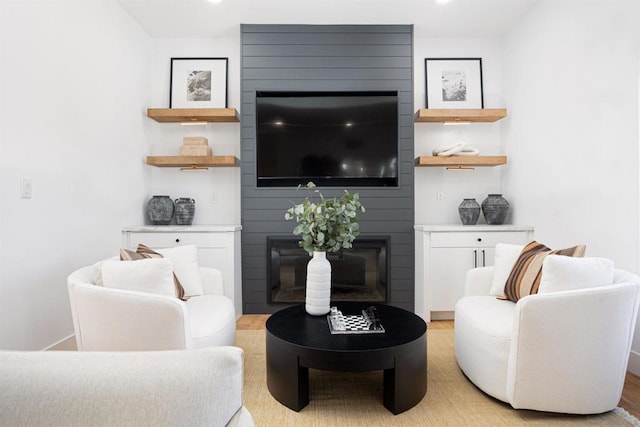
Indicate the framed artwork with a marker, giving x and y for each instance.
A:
(454, 82)
(198, 83)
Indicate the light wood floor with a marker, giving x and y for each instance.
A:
(630, 400)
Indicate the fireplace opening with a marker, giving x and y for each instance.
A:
(357, 274)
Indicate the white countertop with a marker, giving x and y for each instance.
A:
(182, 228)
(479, 227)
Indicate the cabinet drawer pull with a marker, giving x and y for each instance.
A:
(484, 259)
(475, 259)
(177, 240)
(479, 239)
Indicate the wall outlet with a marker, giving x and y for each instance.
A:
(26, 188)
(439, 197)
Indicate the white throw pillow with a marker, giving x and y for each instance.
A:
(152, 275)
(564, 273)
(186, 267)
(505, 256)
(97, 271)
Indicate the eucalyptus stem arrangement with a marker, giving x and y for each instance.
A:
(326, 224)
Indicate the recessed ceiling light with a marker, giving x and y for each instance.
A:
(442, 1)
(215, 1)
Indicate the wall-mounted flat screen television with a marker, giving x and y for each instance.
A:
(346, 139)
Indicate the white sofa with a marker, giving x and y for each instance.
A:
(562, 352)
(110, 319)
(158, 388)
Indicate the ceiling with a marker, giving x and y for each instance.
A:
(203, 19)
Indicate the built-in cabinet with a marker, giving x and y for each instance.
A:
(218, 247)
(191, 116)
(460, 116)
(444, 254)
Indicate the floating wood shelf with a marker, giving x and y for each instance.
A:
(193, 162)
(462, 115)
(185, 115)
(461, 162)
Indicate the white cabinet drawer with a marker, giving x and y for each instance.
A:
(167, 240)
(487, 239)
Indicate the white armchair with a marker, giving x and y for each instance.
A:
(563, 351)
(109, 319)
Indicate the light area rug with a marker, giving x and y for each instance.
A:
(355, 399)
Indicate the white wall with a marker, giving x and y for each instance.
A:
(456, 184)
(77, 77)
(74, 77)
(572, 131)
(216, 191)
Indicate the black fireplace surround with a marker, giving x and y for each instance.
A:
(357, 274)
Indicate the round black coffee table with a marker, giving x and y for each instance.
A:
(297, 341)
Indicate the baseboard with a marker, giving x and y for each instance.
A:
(65, 344)
(634, 363)
(442, 315)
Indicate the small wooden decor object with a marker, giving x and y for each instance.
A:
(195, 146)
(195, 140)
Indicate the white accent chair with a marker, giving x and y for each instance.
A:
(109, 319)
(156, 388)
(563, 351)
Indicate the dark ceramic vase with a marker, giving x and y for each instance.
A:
(160, 210)
(185, 210)
(495, 209)
(469, 211)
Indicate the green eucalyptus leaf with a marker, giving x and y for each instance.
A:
(325, 224)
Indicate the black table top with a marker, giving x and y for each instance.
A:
(295, 326)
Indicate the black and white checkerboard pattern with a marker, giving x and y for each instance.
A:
(353, 324)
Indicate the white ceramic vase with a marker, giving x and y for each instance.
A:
(318, 291)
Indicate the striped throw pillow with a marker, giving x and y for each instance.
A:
(144, 252)
(525, 275)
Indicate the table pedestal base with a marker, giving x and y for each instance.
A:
(405, 371)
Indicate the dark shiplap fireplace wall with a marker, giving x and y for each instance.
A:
(327, 58)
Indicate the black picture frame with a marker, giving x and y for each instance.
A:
(198, 82)
(452, 83)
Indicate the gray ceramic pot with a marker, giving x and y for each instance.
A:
(495, 209)
(185, 210)
(469, 211)
(160, 210)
